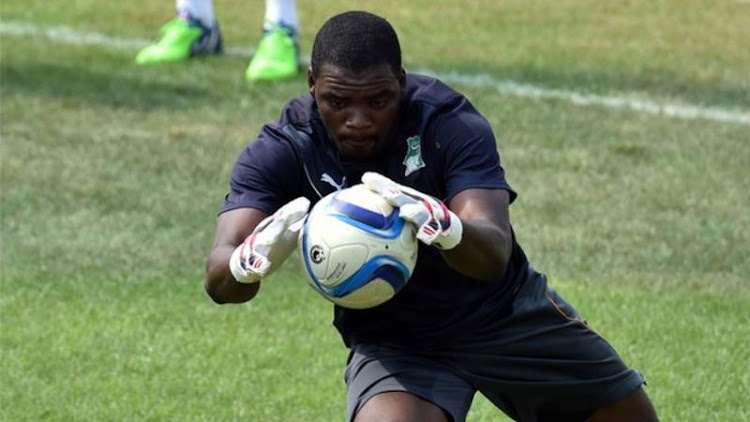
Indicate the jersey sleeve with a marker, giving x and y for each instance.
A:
(470, 157)
(263, 176)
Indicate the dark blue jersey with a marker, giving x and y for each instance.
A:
(442, 146)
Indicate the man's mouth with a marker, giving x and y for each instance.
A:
(359, 142)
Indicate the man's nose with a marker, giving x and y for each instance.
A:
(358, 119)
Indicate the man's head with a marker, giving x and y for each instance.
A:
(357, 81)
(356, 41)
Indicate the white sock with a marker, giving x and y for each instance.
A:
(202, 10)
(283, 12)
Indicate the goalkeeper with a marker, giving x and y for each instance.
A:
(475, 316)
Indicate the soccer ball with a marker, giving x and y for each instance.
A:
(356, 250)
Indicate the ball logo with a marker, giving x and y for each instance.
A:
(317, 254)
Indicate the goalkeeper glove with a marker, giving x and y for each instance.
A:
(436, 224)
(270, 244)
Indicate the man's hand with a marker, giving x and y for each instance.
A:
(270, 244)
(436, 224)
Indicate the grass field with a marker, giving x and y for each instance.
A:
(111, 176)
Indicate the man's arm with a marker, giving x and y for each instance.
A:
(232, 227)
(486, 243)
(474, 233)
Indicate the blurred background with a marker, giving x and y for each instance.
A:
(623, 125)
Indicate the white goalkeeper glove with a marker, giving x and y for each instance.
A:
(436, 224)
(270, 244)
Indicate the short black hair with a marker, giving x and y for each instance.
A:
(356, 40)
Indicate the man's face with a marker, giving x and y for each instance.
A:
(359, 109)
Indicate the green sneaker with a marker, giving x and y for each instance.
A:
(276, 58)
(181, 39)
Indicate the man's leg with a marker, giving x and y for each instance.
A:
(388, 384)
(544, 363)
(635, 407)
(194, 31)
(201, 10)
(400, 407)
(277, 55)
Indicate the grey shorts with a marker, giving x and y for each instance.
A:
(540, 363)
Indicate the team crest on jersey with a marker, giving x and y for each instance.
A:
(413, 160)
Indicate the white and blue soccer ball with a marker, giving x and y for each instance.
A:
(356, 250)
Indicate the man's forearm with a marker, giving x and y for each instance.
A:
(483, 253)
(220, 284)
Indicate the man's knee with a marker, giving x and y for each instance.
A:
(635, 407)
(396, 406)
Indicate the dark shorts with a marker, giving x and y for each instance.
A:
(540, 363)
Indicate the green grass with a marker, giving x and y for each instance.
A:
(111, 176)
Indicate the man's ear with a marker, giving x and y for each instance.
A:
(310, 80)
(402, 81)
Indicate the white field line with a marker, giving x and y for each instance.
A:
(684, 111)
(68, 35)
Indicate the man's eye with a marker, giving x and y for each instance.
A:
(335, 103)
(379, 103)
